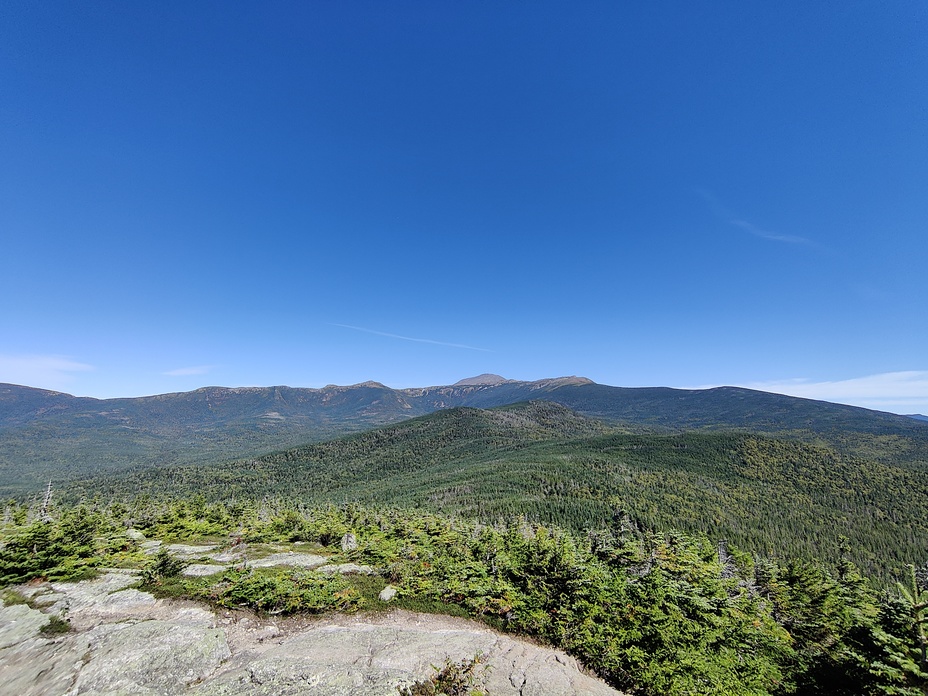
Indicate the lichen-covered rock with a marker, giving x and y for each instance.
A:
(108, 594)
(299, 560)
(188, 551)
(235, 554)
(19, 623)
(158, 657)
(387, 593)
(40, 667)
(346, 569)
(354, 657)
(196, 570)
(151, 546)
(349, 542)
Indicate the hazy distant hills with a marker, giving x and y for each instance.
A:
(45, 434)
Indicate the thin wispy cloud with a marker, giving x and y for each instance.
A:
(899, 392)
(187, 371)
(410, 338)
(728, 216)
(44, 371)
(773, 237)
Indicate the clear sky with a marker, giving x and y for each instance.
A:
(303, 193)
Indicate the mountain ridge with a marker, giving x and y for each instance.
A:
(47, 434)
(11, 393)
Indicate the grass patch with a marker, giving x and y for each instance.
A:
(55, 627)
(11, 597)
(368, 587)
(176, 587)
(464, 678)
(427, 605)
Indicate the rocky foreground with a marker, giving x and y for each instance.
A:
(120, 641)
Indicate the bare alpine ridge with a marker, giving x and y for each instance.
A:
(485, 378)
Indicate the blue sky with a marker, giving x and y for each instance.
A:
(669, 193)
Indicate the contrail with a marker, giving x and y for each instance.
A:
(409, 338)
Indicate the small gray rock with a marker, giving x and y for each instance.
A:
(151, 547)
(198, 570)
(387, 593)
(188, 551)
(234, 554)
(349, 542)
(135, 535)
(346, 569)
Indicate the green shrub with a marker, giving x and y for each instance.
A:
(452, 679)
(163, 565)
(280, 592)
(55, 626)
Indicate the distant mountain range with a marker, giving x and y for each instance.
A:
(46, 434)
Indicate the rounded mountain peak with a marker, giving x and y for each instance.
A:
(484, 379)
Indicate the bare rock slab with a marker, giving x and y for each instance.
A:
(124, 642)
(298, 560)
(188, 551)
(354, 657)
(150, 657)
(346, 569)
(198, 570)
(19, 623)
(39, 667)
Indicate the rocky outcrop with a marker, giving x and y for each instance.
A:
(123, 641)
(19, 623)
(375, 655)
(290, 558)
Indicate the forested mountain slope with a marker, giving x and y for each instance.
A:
(540, 460)
(47, 434)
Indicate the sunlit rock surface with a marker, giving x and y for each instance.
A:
(123, 641)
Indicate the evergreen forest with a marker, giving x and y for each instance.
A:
(653, 613)
(696, 562)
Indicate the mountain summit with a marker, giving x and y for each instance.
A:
(485, 378)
